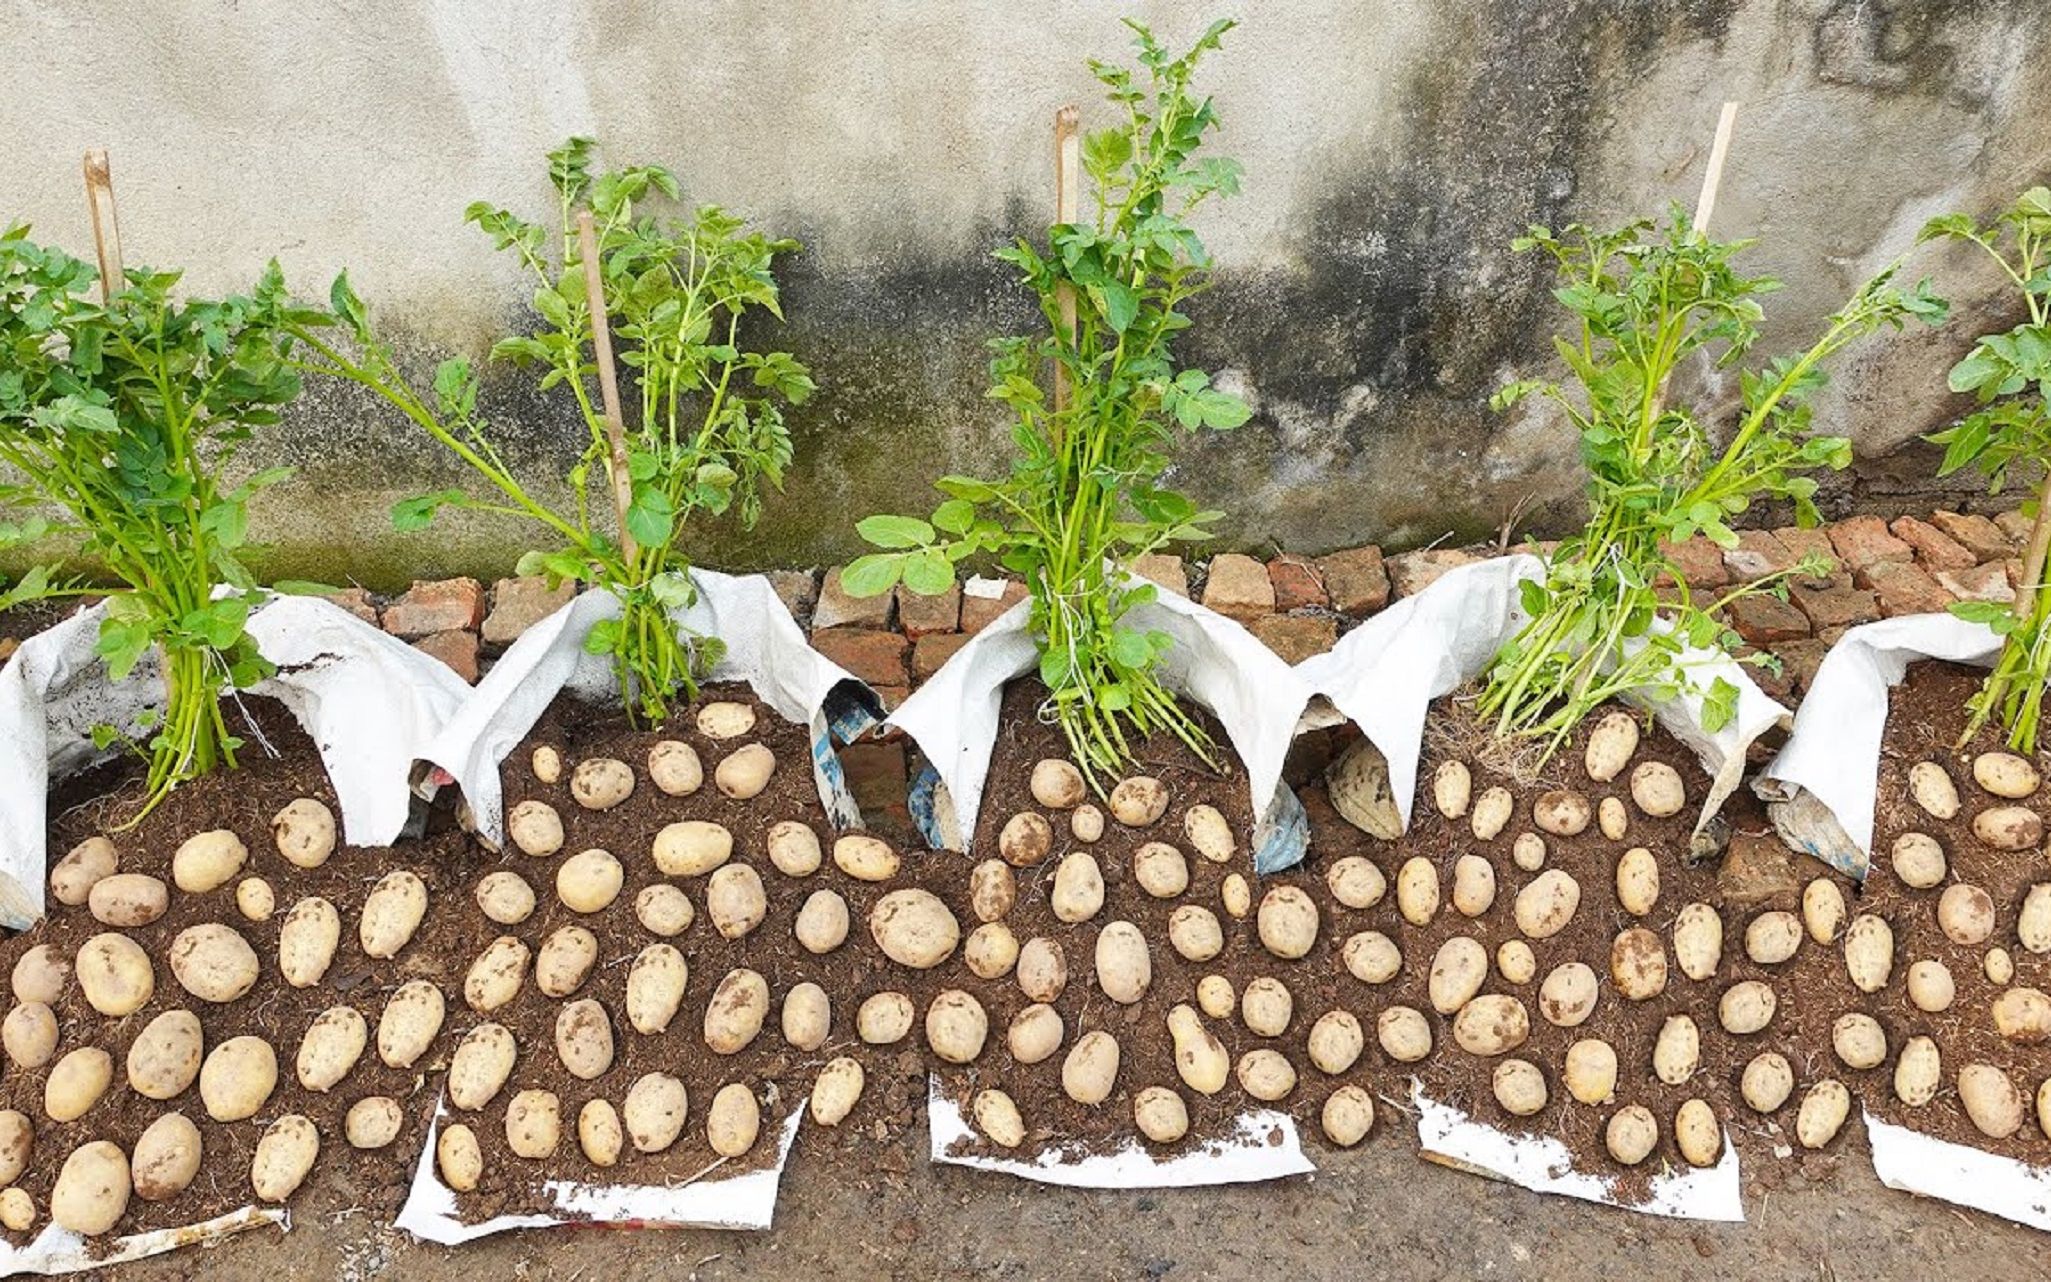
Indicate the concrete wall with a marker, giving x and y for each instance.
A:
(1367, 302)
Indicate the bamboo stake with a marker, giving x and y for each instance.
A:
(99, 195)
(608, 380)
(1719, 151)
(1067, 209)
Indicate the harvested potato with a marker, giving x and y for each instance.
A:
(1637, 881)
(822, 922)
(837, 1090)
(1632, 1134)
(214, 962)
(2023, 1016)
(1347, 1116)
(956, 1026)
(1930, 986)
(1491, 814)
(1698, 940)
(29, 1034)
(1998, 966)
(1417, 890)
(284, 1157)
(601, 783)
(1336, 1042)
(2005, 775)
(40, 975)
(1042, 969)
(1195, 933)
(411, 1020)
(1869, 952)
(599, 1133)
(1823, 909)
(997, 1117)
(1457, 972)
(458, 1158)
(1200, 1058)
(1933, 790)
(1772, 937)
(1678, 1051)
(210, 860)
(1991, 1100)
(2033, 923)
(76, 1083)
(237, 1078)
(655, 988)
(255, 899)
(913, 928)
(304, 832)
(1026, 840)
(1356, 882)
(1515, 961)
(2043, 1110)
(1371, 957)
(1160, 1115)
(1209, 834)
(1287, 922)
(1491, 1024)
(1611, 745)
(91, 1192)
(536, 828)
(1858, 1040)
(1917, 1072)
(1519, 1087)
(1265, 1074)
(1358, 785)
(1591, 1072)
(1236, 896)
(1746, 1007)
(166, 1158)
(534, 1124)
(993, 891)
(734, 1121)
(1528, 852)
(1216, 997)
(1545, 906)
(1139, 801)
(1267, 1006)
(865, 858)
(1036, 1032)
(331, 1047)
(1561, 813)
(1403, 1033)
(307, 941)
(1965, 913)
(1452, 786)
(1078, 887)
(1657, 790)
(692, 848)
(495, 977)
(2009, 828)
(1611, 820)
(1057, 784)
(674, 768)
(565, 961)
(725, 719)
(583, 1039)
(505, 897)
(1474, 885)
(393, 910)
(1091, 1068)
(1697, 1134)
(1767, 1082)
(128, 899)
(547, 765)
(655, 1109)
(734, 1016)
(480, 1066)
(1567, 997)
(373, 1122)
(73, 877)
(114, 973)
(735, 901)
(1160, 870)
(1918, 860)
(794, 849)
(1637, 964)
(1086, 823)
(586, 882)
(664, 910)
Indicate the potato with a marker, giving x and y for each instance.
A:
(1091, 1068)
(1561, 812)
(1698, 941)
(1355, 882)
(1823, 909)
(505, 897)
(1403, 1033)
(565, 961)
(655, 1109)
(166, 1158)
(411, 1021)
(284, 1157)
(1545, 906)
(1417, 890)
(1287, 922)
(2009, 827)
(1631, 1135)
(255, 899)
(128, 899)
(480, 1066)
(1347, 1116)
(1124, 967)
(1035, 1033)
(1086, 823)
(1452, 786)
(1528, 852)
(1611, 820)
(306, 942)
(1209, 834)
(1678, 1051)
(734, 1121)
(1160, 1115)
(547, 765)
(393, 910)
(1746, 1007)
(331, 1047)
(1358, 785)
(73, 877)
(1491, 814)
(1042, 969)
(956, 1026)
(2033, 923)
(1637, 881)
(913, 928)
(1772, 937)
(534, 1124)
(2005, 775)
(1998, 966)
(993, 891)
(865, 858)
(1637, 964)
(1858, 1040)
(1591, 1072)
(836, 1091)
(599, 1133)
(237, 1078)
(1160, 870)
(1930, 986)
(1236, 896)
(655, 988)
(692, 848)
(997, 1117)
(663, 910)
(210, 860)
(1519, 1087)
(725, 719)
(1990, 1100)
(1200, 1058)
(1267, 1006)
(1491, 1024)
(91, 1192)
(807, 1016)
(1611, 745)
(1336, 1042)
(1966, 914)
(1139, 801)
(213, 962)
(822, 922)
(2023, 1016)
(113, 972)
(1515, 961)
(601, 783)
(734, 1016)
(1216, 997)
(1265, 1074)
(76, 1083)
(2043, 1110)
(1918, 860)
(734, 900)
(583, 1039)
(1869, 952)
(1371, 957)
(1457, 972)
(30, 1034)
(496, 976)
(674, 768)
(1057, 784)
(1567, 997)
(1767, 1082)
(1933, 790)
(1697, 1134)
(458, 1158)
(40, 975)
(373, 1122)
(1195, 933)
(1474, 885)
(745, 772)
(1917, 1073)
(1657, 790)
(1078, 887)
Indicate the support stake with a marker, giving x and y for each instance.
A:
(1067, 209)
(99, 195)
(608, 380)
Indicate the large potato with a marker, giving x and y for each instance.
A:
(1027, 839)
(331, 1047)
(536, 828)
(1917, 1072)
(1678, 1051)
(392, 912)
(1965, 914)
(1767, 1082)
(1990, 1100)
(73, 877)
(2033, 923)
(1035, 1033)
(1042, 969)
(284, 1157)
(1417, 890)
(1336, 1042)
(1403, 1033)
(808, 1017)
(1267, 1006)
(1195, 933)
(534, 1124)
(505, 897)
(1746, 1007)
(496, 976)
(29, 1034)
(1859, 1041)
(1698, 940)
(304, 832)
(1356, 882)
(1209, 834)
(1918, 860)
(997, 1117)
(655, 988)
(1491, 814)
(1561, 813)
(458, 1158)
(213, 962)
(237, 1078)
(1160, 1115)
(128, 899)
(1823, 909)
(1933, 790)
(113, 971)
(735, 902)
(1697, 1134)
(725, 719)
(993, 890)
(1091, 1068)
(41, 975)
(1078, 887)
(1567, 997)
(1657, 789)
(1057, 784)
(913, 928)
(1125, 969)
(1347, 1116)
(794, 849)
(482, 1063)
(822, 922)
(1139, 801)
(1637, 964)
(1457, 972)
(2005, 775)
(865, 858)
(734, 1015)
(91, 1192)
(307, 941)
(586, 882)
(1491, 1024)
(1371, 957)
(1474, 885)
(656, 1107)
(692, 848)
(1869, 952)
(1591, 1071)
(1547, 904)
(674, 768)
(412, 1019)
(1632, 1134)
(1611, 745)
(76, 1083)
(1160, 870)
(1287, 922)
(956, 1026)
(2009, 828)
(1452, 786)
(599, 1132)
(207, 861)
(1200, 1058)
(583, 1039)
(601, 783)
(663, 910)
(1772, 937)
(837, 1090)
(1265, 1074)
(734, 1120)
(166, 1158)
(373, 1122)
(1637, 881)
(745, 772)
(1519, 1086)
(565, 961)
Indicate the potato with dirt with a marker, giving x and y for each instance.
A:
(865, 858)
(1519, 1086)
(1267, 1006)
(373, 1122)
(745, 772)
(1347, 1116)
(1746, 1007)
(997, 1117)
(1371, 957)
(1200, 1058)
(17, 1144)
(1042, 969)
(73, 877)
(304, 832)
(1417, 890)
(1632, 1134)
(1545, 906)
(237, 1078)
(534, 1124)
(458, 1158)
(691, 848)
(1452, 787)
(583, 1039)
(2009, 828)
(956, 1026)
(1036, 1032)
(1918, 860)
(837, 1090)
(128, 899)
(1858, 1040)
(1287, 922)
(914, 928)
(1637, 964)
(213, 962)
(734, 1121)
(1698, 941)
(1823, 910)
(1561, 813)
(284, 1157)
(1591, 1071)
(664, 910)
(1458, 970)
(1355, 882)
(1611, 745)
(1491, 813)
(495, 978)
(993, 889)
(586, 882)
(92, 1189)
(29, 1035)
(655, 988)
(1078, 892)
(1125, 968)
(1160, 870)
(40, 975)
(600, 1133)
(332, 1045)
(412, 1019)
(307, 941)
(735, 1014)
(1567, 997)
(1336, 1042)
(807, 1017)
(1869, 952)
(1697, 1134)
(166, 1158)
(1265, 1074)
(1918, 1072)
(208, 861)
(76, 1083)
(1991, 1100)
(1057, 784)
(1657, 790)
(505, 897)
(675, 769)
(822, 922)
(1637, 881)
(1209, 834)
(1091, 1068)
(1474, 885)
(1767, 1082)
(1933, 790)
(735, 901)
(1139, 801)
(601, 783)
(565, 960)
(536, 828)
(1931, 988)
(392, 913)
(1160, 1115)
(479, 1068)
(2023, 1016)
(1403, 1033)
(1965, 913)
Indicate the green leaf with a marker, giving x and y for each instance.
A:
(929, 572)
(872, 575)
(954, 516)
(895, 531)
(304, 587)
(651, 517)
(1719, 705)
(418, 513)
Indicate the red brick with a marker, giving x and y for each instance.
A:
(456, 648)
(356, 601)
(1165, 570)
(1935, 550)
(519, 604)
(797, 589)
(1699, 561)
(1979, 583)
(1296, 637)
(1356, 580)
(919, 615)
(934, 649)
(446, 605)
(1237, 586)
(2016, 526)
(1801, 659)
(1836, 606)
(1974, 532)
(979, 612)
(1806, 543)
(1413, 572)
(1863, 541)
(1770, 677)
(1757, 555)
(1764, 619)
(877, 777)
(875, 656)
(1903, 589)
(1298, 585)
(836, 609)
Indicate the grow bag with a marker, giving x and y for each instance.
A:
(55, 1251)
(1960, 1174)
(370, 702)
(764, 647)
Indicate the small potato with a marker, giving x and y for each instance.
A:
(458, 1158)
(2009, 828)
(1417, 890)
(1078, 891)
(1139, 801)
(1287, 922)
(255, 899)
(1160, 870)
(1998, 966)
(237, 1078)
(725, 719)
(1561, 813)
(734, 1121)
(1200, 1058)
(1160, 1115)
(211, 859)
(664, 910)
(76, 1083)
(1772, 937)
(735, 1014)
(1356, 882)
(304, 832)
(1347, 1116)
(1611, 745)
(1371, 957)
(1965, 913)
(331, 1047)
(655, 988)
(957, 1027)
(1474, 885)
(1336, 1042)
(1918, 860)
(1515, 961)
(1195, 933)
(480, 1066)
(1452, 786)
(536, 828)
(1858, 1040)
(1057, 784)
(1547, 904)
(534, 1124)
(1491, 1024)
(1035, 1033)
(307, 941)
(411, 1020)
(2023, 1016)
(735, 902)
(600, 1134)
(2033, 923)
(29, 1034)
(1637, 881)
(601, 783)
(373, 1122)
(1637, 964)
(284, 1157)
(1267, 1006)
(166, 1158)
(997, 1117)
(1767, 1082)
(92, 1188)
(1698, 941)
(1917, 1072)
(993, 891)
(214, 962)
(794, 849)
(547, 765)
(913, 928)
(1697, 1134)
(1678, 1051)
(865, 858)
(1519, 1087)
(1236, 896)
(1528, 852)
(692, 848)
(1209, 834)
(1086, 823)
(1657, 790)
(1990, 1100)
(583, 1039)
(1042, 969)
(1823, 909)
(1611, 819)
(392, 912)
(1869, 952)
(114, 973)
(1091, 1067)
(1265, 1074)
(128, 899)
(505, 897)
(822, 922)
(1930, 986)
(674, 768)
(1746, 1007)
(1403, 1033)
(1823, 1112)
(1933, 790)
(836, 1091)
(73, 877)
(655, 1109)
(1631, 1135)
(1216, 997)
(1591, 1072)
(1567, 997)
(41, 975)
(1457, 972)
(2005, 775)
(2043, 1110)
(1491, 814)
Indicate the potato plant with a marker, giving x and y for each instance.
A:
(706, 432)
(1647, 300)
(1084, 497)
(2009, 375)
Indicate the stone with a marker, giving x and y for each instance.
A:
(1298, 586)
(1975, 533)
(1237, 586)
(1864, 541)
(979, 611)
(356, 601)
(1903, 589)
(519, 604)
(1296, 637)
(1764, 619)
(1838, 605)
(1756, 868)
(1800, 659)
(836, 609)
(2016, 526)
(1806, 543)
(1770, 677)
(1699, 561)
(798, 590)
(918, 615)
(445, 605)
(1413, 572)
(457, 648)
(871, 654)
(1165, 570)
(1356, 580)
(1980, 583)
(934, 649)
(1935, 550)
(1757, 555)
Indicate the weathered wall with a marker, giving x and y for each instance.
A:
(1367, 301)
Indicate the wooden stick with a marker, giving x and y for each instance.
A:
(1719, 151)
(1067, 209)
(608, 380)
(99, 196)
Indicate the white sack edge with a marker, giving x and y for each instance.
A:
(57, 1251)
(746, 1201)
(1249, 1155)
(1822, 785)
(1254, 694)
(369, 701)
(764, 647)
(1544, 1164)
(1384, 674)
(1959, 1174)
